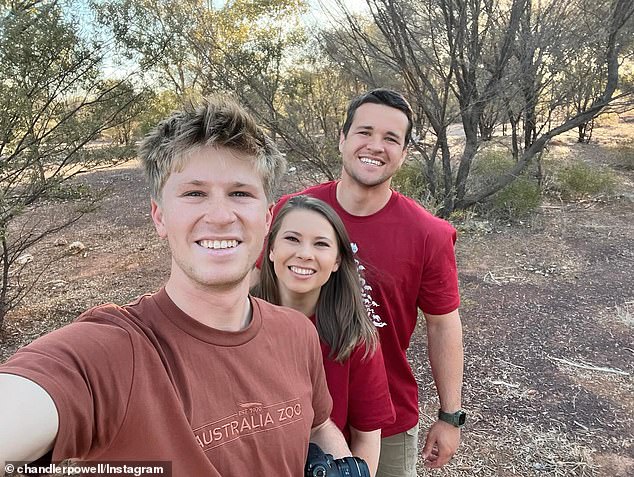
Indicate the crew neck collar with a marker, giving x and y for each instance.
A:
(205, 333)
(358, 218)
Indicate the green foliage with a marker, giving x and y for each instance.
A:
(515, 201)
(64, 192)
(410, 180)
(54, 104)
(256, 51)
(580, 180)
(157, 108)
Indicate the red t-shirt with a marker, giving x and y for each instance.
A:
(406, 257)
(146, 382)
(359, 390)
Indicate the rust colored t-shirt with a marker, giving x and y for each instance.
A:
(147, 382)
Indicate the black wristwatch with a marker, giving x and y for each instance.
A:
(456, 419)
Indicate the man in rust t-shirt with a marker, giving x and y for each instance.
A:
(198, 376)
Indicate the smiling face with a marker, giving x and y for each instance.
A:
(304, 253)
(214, 213)
(373, 150)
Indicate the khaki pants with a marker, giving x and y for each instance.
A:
(399, 454)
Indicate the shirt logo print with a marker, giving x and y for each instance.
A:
(250, 418)
(366, 289)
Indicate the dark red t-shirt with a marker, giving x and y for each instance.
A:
(359, 390)
(406, 257)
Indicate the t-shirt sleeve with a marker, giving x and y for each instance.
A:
(322, 402)
(86, 368)
(438, 293)
(369, 403)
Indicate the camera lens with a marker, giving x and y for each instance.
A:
(352, 467)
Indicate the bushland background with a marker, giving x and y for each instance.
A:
(524, 140)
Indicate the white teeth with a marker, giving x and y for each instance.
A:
(218, 244)
(373, 162)
(302, 271)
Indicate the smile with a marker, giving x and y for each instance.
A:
(372, 162)
(301, 271)
(218, 244)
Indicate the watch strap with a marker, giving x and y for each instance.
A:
(456, 419)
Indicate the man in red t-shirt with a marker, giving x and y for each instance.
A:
(199, 376)
(406, 256)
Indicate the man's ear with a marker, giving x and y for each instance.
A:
(157, 218)
(269, 217)
(342, 139)
(403, 157)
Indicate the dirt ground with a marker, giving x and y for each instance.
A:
(547, 307)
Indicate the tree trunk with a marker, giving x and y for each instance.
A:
(471, 147)
(513, 121)
(585, 132)
(448, 200)
(4, 306)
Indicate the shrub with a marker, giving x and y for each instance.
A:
(581, 180)
(410, 180)
(516, 200)
(519, 199)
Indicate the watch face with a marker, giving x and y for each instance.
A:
(462, 418)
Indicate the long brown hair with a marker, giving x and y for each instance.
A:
(341, 318)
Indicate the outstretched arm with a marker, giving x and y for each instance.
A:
(328, 436)
(28, 420)
(366, 445)
(444, 343)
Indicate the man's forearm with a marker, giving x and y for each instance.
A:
(328, 436)
(444, 344)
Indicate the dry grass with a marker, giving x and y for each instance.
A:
(625, 312)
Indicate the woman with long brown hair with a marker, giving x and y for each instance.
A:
(308, 265)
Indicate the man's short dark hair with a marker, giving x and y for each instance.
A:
(385, 97)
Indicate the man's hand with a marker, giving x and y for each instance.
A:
(441, 444)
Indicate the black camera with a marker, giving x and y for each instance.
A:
(320, 464)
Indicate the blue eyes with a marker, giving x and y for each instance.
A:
(198, 193)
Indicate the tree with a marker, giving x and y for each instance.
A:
(53, 103)
(257, 51)
(477, 53)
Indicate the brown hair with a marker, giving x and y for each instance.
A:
(341, 317)
(385, 97)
